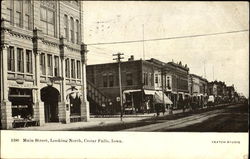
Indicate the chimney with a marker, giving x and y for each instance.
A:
(131, 58)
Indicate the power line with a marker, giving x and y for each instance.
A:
(169, 38)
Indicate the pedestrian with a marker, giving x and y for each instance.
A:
(157, 107)
(163, 109)
(147, 106)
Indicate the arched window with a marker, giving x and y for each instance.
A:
(72, 30)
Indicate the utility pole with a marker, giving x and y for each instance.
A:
(163, 74)
(143, 45)
(120, 79)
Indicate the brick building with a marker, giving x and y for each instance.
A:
(42, 62)
(141, 82)
(180, 90)
(198, 89)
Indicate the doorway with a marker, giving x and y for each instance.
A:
(50, 96)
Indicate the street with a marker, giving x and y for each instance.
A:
(233, 118)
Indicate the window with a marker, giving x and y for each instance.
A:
(77, 32)
(42, 63)
(10, 8)
(67, 71)
(168, 83)
(49, 65)
(47, 17)
(20, 62)
(11, 59)
(145, 78)
(129, 79)
(78, 67)
(66, 27)
(56, 66)
(105, 80)
(73, 69)
(18, 16)
(156, 78)
(28, 61)
(27, 14)
(111, 80)
(72, 29)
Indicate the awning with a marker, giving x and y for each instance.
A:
(159, 98)
(149, 92)
(132, 90)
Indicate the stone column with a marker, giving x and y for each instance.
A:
(63, 105)
(39, 105)
(84, 103)
(6, 110)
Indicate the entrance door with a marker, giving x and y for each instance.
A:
(50, 96)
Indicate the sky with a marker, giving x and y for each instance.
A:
(223, 57)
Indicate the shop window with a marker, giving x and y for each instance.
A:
(105, 80)
(78, 67)
(19, 13)
(66, 27)
(73, 69)
(72, 30)
(67, 71)
(27, 14)
(28, 61)
(111, 80)
(42, 64)
(11, 59)
(56, 66)
(10, 8)
(20, 62)
(129, 79)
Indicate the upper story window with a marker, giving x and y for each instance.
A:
(78, 67)
(72, 30)
(49, 65)
(47, 17)
(77, 32)
(111, 80)
(66, 27)
(28, 61)
(156, 79)
(11, 59)
(105, 80)
(129, 79)
(18, 14)
(67, 71)
(73, 69)
(10, 8)
(27, 14)
(20, 60)
(56, 66)
(145, 78)
(42, 64)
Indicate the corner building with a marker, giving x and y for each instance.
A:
(43, 62)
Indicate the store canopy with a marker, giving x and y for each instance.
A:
(159, 98)
(132, 90)
(149, 92)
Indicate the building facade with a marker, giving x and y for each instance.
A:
(198, 90)
(43, 62)
(141, 82)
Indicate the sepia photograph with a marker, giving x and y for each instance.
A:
(119, 74)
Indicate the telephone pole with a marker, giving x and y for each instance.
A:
(120, 79)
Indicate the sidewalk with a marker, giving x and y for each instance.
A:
(100, 121)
